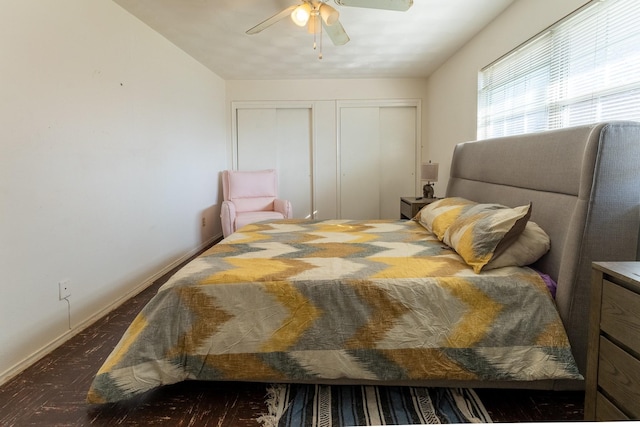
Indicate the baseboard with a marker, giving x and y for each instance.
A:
(19, 367)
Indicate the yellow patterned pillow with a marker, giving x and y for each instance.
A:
(484, 231)
(438, 216)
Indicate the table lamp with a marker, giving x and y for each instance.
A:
(429, 173)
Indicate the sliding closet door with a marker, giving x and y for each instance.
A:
(278, 138)
(398, 158)
(378, 147)
(360, 163)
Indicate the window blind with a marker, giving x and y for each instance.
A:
(583, 69)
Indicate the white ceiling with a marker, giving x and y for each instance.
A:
(384, 44)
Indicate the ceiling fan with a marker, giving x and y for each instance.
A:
(317, 14)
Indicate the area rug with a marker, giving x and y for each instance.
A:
(300, 405)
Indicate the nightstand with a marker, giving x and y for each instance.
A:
(613, 358)
(410, 206)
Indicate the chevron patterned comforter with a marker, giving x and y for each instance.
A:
(363, 300)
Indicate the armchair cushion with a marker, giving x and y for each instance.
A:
(251, 191)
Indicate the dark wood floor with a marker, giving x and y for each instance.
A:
(52, 392)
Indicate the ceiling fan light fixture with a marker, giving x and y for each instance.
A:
(329, 14)
(300, 15)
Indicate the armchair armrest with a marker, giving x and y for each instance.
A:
(284, 207)
(228, 217)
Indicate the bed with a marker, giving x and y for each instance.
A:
(405, 302)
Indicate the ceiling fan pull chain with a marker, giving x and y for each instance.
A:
(320, 54)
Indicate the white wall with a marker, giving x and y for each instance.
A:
(324, 94)
(111, 144)
(451, 104)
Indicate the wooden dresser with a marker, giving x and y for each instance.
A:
(613, 361)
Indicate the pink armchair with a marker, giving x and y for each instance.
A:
(250, 197)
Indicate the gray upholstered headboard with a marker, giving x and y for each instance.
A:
(584, 185)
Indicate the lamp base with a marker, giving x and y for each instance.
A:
(427, 191)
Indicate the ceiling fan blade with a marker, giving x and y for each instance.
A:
(270, 21)
(400, 5)
(336, 33)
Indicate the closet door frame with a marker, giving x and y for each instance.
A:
(379, 103)
(239, 105)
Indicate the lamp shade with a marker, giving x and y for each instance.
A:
(429, 172)
(300, 15)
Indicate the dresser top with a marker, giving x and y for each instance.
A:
(628, 271)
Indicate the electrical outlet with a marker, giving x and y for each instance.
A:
(64, 289)
(204, 221)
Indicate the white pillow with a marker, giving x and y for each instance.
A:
(530, 246)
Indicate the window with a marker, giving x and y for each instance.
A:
(583, 69)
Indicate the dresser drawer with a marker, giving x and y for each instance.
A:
(619, 377)
(410, 206)
(620, 317)
(607, 411)
(405, 209)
